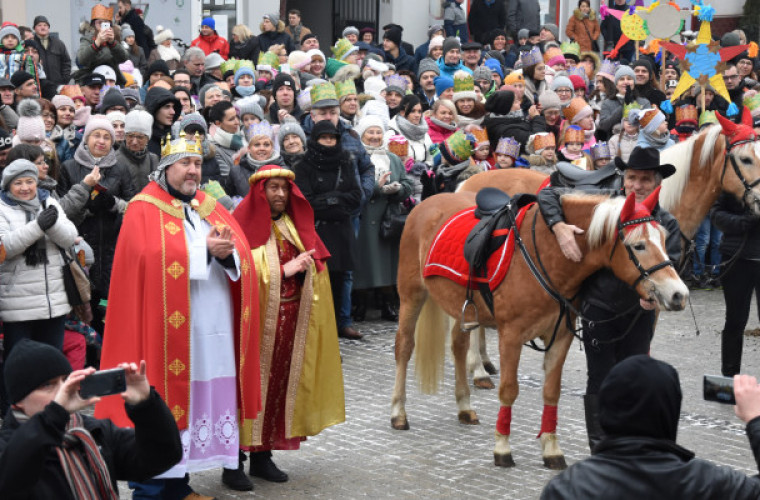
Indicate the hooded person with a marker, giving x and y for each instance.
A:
(639, 406)
(165, 109)
(300, 357)
(175, 230)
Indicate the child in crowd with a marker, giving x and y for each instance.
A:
(482, 152)
(622, 143)
(654, 130)
(572, 148)
(601, 155)
(507, 152)
(542, 154)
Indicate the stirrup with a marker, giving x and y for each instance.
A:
(468, 326)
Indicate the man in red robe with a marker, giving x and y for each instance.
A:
(184, 299)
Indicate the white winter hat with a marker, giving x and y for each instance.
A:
(138, 121)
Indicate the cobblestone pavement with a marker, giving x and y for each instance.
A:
(440, 458)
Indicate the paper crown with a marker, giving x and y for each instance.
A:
(323, 93)
(101, 12)
(342, 48)
(628, 108)
(182, 145)
(571, 49)
(578, 71)
(608, 69)
(480, 135)
(396, 83)
(463, 82)
(574, 134)
(72, 91)
(576, 109)
(457, 148)
(244, 63)
(345, 89)
(753, 103)
(531, 57)
(707, 118)
(687, 114)
(543, 140)
(269, 59)
(508, 146)
(600, 150)
(261, 128)
(228, 65)
(646, 116)
(269, 173)
(553, 55)
(398, 145)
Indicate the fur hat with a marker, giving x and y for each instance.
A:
(298, 60)
(30, 125)
(139, 122)
(373, 86)
(162, 35)
(377, 108)
(98, 122)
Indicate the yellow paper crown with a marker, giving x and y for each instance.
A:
(181, 145)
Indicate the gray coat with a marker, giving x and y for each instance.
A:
(523, 14)
(32, 293)
(55, 60)
(89, 57)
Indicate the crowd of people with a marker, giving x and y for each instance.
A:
(267, 179)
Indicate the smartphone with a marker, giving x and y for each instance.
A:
(104, 383)
(719, 389)
(105, 25)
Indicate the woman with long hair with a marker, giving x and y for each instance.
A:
(244, 44)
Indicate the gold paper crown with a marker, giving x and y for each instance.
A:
(574, 134)
(543, 141)
(101, 12)
(687, 113)
(181, 145)
(481, 136)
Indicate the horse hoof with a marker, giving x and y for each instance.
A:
(503, 460)
(483, 383)
(468, 417)
(490, 368)
(400, 423)
(555, 463)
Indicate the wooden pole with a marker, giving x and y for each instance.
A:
(662, 72)
(637, 50)
(703, 97)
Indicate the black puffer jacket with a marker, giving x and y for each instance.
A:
(29, 467)
(55, 60)
(100, 228)
(737, 223)
(508, 126)
(603, 289)
(248, 50)
(269, 38)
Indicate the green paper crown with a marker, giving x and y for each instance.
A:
(269, 59)
(706, 118)
(570, 48)
(343, 89)
(229, 65)
(628, 107)
(463, 82)
(342, 48)
(459, 146)
(753, 102)
(244, 63)
(323, 92)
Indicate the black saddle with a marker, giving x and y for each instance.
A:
(575, 176)
(496, 211)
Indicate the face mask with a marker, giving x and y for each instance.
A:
(245, 91)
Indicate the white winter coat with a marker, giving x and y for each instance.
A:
(32, 293)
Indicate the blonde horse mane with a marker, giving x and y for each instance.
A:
(680, 155)
(603, 224)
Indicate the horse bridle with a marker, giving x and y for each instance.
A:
(730, 157)
(643, 273)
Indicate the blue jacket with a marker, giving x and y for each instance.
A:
(450, 69)
(364, 170)
(421, 52)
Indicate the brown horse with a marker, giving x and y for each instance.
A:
(704, 167)
(520, 303)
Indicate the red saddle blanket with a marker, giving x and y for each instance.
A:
(446, 255)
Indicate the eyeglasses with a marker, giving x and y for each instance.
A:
(731, 77)
(137, 137)
(563, 91)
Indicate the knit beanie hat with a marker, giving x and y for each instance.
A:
(245, 70)
(436, 41)
(549, 100)
(192, 123)
(20, 77)
(482, 73)
(30, 125)
(289, 128)
(273, 18)
(204, 90)
(500, 103)
(298, 59)
(650, 119)
(139, 122)
(9, 28)
(350, 30)
(132, 95)
(111, 99)
(578, 82)
(514, 77)
(98, 122)
(62, 100)
(374, 85)
(116, 116)
(451, 43)
(552, 28)
(283, 80)
(18, 168)
(159, 65)
(394, 35)
(623, 71)
(6, 141)
(561, 82)
(427, 64)
(249, 106)
(369, 121)
(30, 364)
(442, 82)
(126, 30)
(377, 108)
(211, 23)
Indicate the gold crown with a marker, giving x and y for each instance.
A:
(181, 145)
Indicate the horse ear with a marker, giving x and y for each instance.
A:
(727, 125)
(628, 208)
(747, 117)
(652, 199)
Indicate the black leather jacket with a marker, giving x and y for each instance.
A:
(737, 223)
(603, 289)
(640, 467)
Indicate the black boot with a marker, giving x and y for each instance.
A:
(359, 302)
(263, 467)
(236, 479)
(593, 428)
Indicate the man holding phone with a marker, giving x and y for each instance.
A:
(44, 435)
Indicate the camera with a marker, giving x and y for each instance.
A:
(719, 389)
(104, 383)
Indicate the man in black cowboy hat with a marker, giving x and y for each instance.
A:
(622, 323)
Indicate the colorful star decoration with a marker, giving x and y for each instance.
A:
(703, 62)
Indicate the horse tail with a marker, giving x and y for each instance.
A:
(430, 346)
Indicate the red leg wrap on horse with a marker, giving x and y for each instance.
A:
(548, 420)
(504, 420)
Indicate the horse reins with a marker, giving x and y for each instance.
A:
(730, 157)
